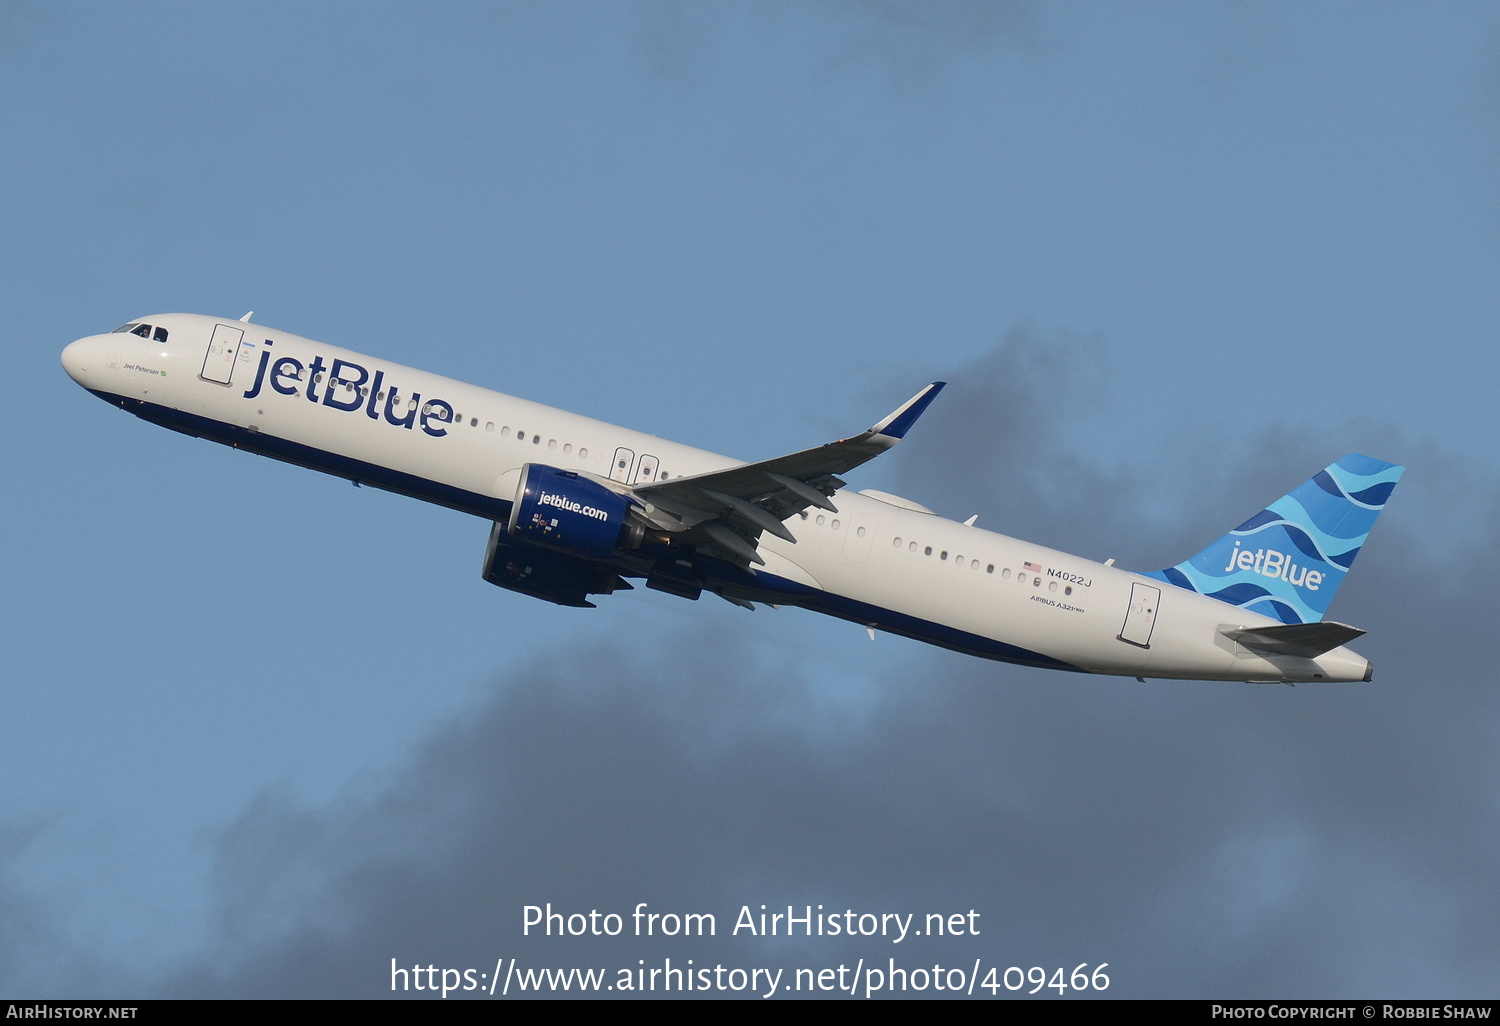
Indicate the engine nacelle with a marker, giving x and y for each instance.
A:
(560, 509)
(550, 576)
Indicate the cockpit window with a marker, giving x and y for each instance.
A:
(143, 330)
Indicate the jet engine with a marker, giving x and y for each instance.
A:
(550, 576)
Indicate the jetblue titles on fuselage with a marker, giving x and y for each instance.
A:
(286, 376)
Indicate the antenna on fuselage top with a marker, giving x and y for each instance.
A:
(247, 316)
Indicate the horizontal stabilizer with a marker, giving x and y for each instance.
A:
(1308, 640)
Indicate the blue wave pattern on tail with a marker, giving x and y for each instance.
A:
(1288, 560)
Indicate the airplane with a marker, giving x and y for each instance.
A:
(578, 508)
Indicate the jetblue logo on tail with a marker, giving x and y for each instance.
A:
(1278, 565)
(1288, 560)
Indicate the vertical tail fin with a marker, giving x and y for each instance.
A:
(1288, 560)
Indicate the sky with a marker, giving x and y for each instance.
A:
(265, 733)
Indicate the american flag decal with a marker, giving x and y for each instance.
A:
(1033, 567)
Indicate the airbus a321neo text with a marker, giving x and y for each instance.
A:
(579, 508)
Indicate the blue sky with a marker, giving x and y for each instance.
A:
(1174, 257)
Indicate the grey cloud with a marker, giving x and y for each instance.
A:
(991, 442)
(38, 955)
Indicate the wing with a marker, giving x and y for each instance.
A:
(726, 510)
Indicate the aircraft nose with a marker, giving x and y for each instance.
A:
(78, 358)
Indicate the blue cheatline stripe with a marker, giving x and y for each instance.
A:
(486, 506)
(888, 620)
(490, 508)
(938, 634)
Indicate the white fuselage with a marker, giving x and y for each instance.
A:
(875, 561)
